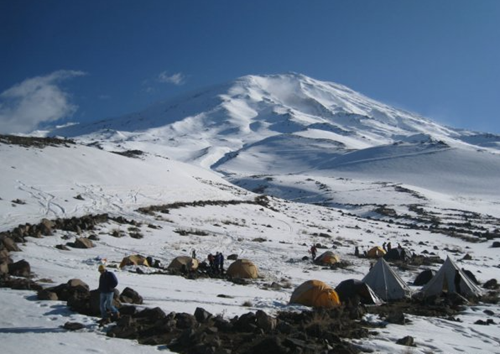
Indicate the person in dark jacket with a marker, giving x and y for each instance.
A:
(107, 285)
(221, 263)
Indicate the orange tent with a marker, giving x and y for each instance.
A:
(315, 293)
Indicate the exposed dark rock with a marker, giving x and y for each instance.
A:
(201, 315)
(20, 269)
(409, 341)
(81, 242)
(47, 295)
(491, 284)
(131, 296)
(73, 326)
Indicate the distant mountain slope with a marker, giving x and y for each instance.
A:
(35, 182)
(291, 123)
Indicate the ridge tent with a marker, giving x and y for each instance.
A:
(315, 293)
(184, 262)
(386, 283)
(327, 258)
(351, 289)
(451, 279)
(135, 259)
(243, 268)
(375, 252)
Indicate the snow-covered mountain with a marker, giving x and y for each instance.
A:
(293, 124)
(385, 175)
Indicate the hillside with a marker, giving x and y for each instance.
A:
(260, 168)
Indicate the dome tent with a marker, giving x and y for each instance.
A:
(351, 289)
(184, 263)
(135, 259)
(327, 258)
(243, 268)
(375, 252)
(315, 293)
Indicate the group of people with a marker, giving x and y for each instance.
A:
(216, 263)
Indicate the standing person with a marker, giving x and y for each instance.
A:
(384, 247)
(356, 251)
(389, 246)
(211, 260)
(217, 262)
(193, 254)
(221, 263)
(107, 285)
(313, 252)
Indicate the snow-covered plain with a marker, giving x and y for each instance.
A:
(331, 157)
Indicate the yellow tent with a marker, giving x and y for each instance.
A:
(315, 293)
(243, 268)
(184, 261)
(376, 252)
(327, 258)
(134, 260)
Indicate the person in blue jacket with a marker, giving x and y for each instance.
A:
(107, 285)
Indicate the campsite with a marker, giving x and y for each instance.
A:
(270, 289)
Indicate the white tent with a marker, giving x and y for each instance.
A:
(386, 283)
(447, 279)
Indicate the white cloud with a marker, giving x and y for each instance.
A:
(36, 100)
(176, 79)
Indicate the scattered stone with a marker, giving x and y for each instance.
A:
(81, 242)
(47, 295)
(130, 296)
(20, 269)
(408, 341)
(73, 326)
(232, 257)
(491, 284)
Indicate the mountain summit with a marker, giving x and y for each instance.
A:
(293, 124)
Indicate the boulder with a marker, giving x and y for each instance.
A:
(130, 296)
(45, 294)
(75, 283)
(46, 226)
(201, 315)
(20, 269)
(4, 268)
(265, 322)
(73, 326)
(408, 341)
(81, 242)
(10, 245)
(491, 284)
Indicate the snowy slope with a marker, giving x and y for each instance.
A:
(344, 165)
(48, 179)
(103, 182)
(282, 124)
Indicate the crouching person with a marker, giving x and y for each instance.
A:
(107, 285)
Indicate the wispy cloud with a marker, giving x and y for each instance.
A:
(176, 79)
(35, 100)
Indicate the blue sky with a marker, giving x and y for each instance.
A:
(88, 60)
